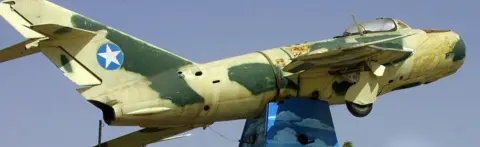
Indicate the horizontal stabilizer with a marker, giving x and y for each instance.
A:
(25, 48)
(51, 31)
(147, 136)
(59, 32)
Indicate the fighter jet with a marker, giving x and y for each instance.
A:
(135, 83)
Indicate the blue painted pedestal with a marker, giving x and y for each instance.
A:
(293, 123)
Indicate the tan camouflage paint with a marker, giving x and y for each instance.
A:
(179, 92)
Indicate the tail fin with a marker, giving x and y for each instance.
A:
(88, 52)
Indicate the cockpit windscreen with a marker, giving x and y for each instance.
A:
(378, 25)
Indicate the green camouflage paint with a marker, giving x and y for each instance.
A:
(149, 61)
(338, 43)
(170, 86)
(367, 39)
(256, 77)
(394, 44)
(65, 63)
(459, 50)
(140, 57)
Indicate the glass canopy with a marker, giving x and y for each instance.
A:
(378, 25)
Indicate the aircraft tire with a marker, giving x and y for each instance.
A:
(359, 110)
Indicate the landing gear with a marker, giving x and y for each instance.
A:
(361, 95)
(359, 110)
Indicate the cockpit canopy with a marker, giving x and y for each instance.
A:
(377, 25)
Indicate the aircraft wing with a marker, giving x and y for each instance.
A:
(146, 136)
(342, 52)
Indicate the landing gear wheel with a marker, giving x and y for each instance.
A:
(359, 110)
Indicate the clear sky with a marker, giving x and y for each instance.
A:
(40, 106)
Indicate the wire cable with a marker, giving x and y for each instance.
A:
(223, 136)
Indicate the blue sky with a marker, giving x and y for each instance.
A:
(40, 106)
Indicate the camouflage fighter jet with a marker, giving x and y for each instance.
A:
(135, 83)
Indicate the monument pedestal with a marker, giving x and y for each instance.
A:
(293, 123)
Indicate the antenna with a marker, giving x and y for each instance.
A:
(360, 30)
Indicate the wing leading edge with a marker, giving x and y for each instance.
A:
(147, 136)
(339, 55)
(366, 55)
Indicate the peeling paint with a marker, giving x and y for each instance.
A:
(280, 62)
(300, 49)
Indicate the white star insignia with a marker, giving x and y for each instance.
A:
(110, 56)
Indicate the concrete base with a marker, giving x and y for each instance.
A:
(293, 123)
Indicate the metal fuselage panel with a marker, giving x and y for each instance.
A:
(240, 87)
(228, 89)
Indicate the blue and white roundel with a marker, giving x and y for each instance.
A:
(110, 56)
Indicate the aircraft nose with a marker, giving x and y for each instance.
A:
(459, 50)
(457, 53)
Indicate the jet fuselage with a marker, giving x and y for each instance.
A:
(240, 87)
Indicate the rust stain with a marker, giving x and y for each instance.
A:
(300, 49)
(280, 62)
(435, 31)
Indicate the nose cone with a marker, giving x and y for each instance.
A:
(457, 54)
(458, 50)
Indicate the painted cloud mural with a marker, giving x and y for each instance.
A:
(284, 122)
(285, 116)
(287, 137)
(314, 123)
